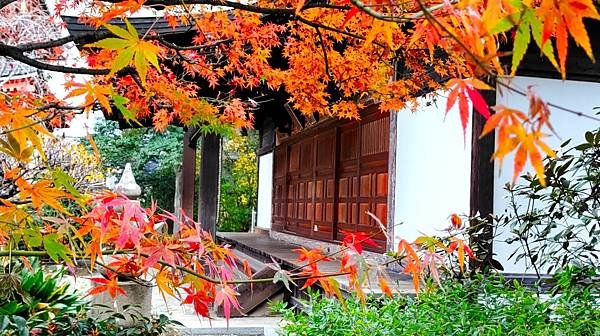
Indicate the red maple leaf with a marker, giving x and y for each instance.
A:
(355, 240)
(199, 299)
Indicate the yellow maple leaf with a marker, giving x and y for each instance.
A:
(130, 48)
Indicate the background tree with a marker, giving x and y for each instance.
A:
(239, 185)
(155, 158)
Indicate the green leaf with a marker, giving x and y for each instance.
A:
(150, 55)
(122, 60)
(32, 237)
(62, 179)
(120, 102)
(56, 250)
(120, 32)
(547, 49)
(506, 23)
(131, 29)
(522, 39)
(111, 43)
(141, 65)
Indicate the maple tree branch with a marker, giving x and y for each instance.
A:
(56, 105)
(84, 38)
(18, 55)
(335, 30)
(4, 3)
(322, 42)
(239, 5)
(222, 3)
(400, 19)
(558, 107)
(22, 253)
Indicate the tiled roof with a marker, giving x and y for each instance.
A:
(10, 68)
(142, 24)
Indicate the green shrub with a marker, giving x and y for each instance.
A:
(483, 307)
(557, 225)
(35, 301)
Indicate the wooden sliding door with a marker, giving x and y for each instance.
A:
(327, 179)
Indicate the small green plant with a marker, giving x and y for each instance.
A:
(32, 298)
(115, 324)
(276, 307)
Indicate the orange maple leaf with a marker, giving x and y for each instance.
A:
(41, 192)
(109, 285)
(310, 256)
(383, 285)
(564, 17)
(512, 136)
(461, 248)
(92, 93)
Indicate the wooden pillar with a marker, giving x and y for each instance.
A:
(391, 180)
(208, 200)
(482, 184)
(188, 176)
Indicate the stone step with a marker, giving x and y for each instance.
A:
(234, 331)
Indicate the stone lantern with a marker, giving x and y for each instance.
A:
(127, 184)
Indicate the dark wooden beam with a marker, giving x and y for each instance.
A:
(188, 175)
(208, 200)
(482, 183)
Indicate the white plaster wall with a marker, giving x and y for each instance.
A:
(265, 191)
(433, 169)
(579, 96)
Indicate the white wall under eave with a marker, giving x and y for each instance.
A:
(578, 96)
(265, 191)
(433, 169)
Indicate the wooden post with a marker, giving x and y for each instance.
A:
(208, 199)
(188, 176)
(177, 200)
(391, 179)
(482, 183)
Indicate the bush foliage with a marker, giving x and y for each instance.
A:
(558, 224)
(483, 307)
(154, 158)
